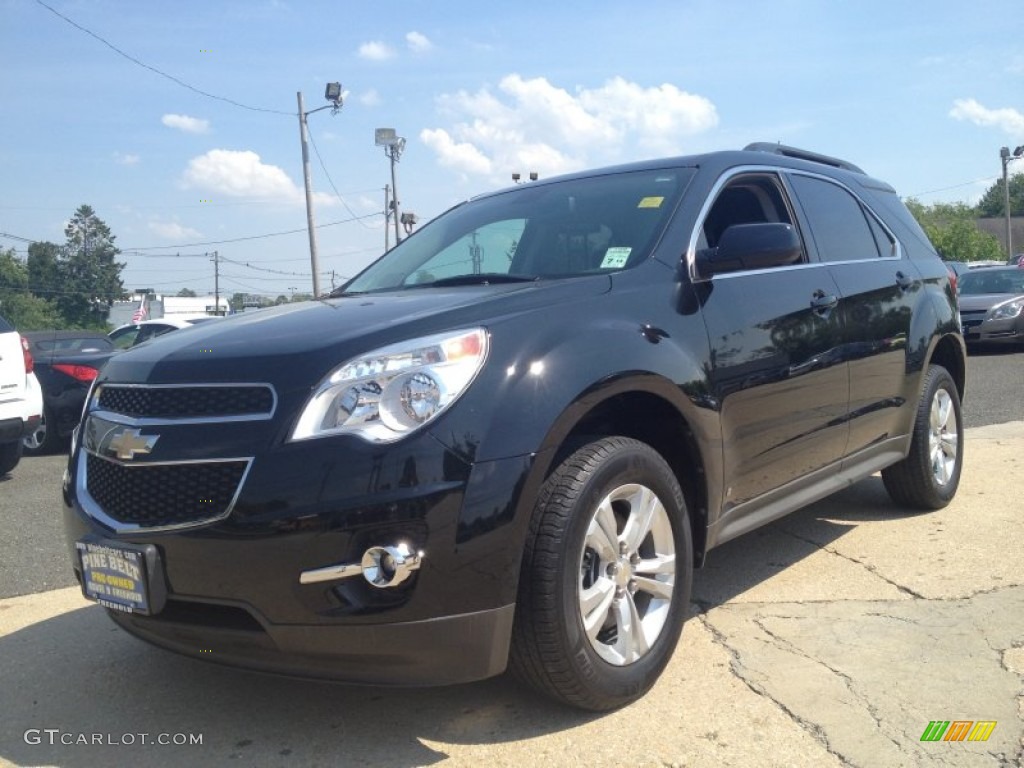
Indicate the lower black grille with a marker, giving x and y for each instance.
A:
(187, 402)
(155, 495)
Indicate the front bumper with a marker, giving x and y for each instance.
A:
(233, 590)
(442, 651)
(1008, 331)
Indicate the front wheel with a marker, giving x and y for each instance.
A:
(929, 476)
(606, 577)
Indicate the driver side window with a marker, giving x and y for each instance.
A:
(746, 199)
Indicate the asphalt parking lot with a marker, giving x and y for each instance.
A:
(832, 637)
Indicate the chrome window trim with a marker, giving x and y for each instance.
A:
(93, 509)
(781, 172)
(897, 246)
(93, 404)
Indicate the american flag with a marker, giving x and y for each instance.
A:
(140, 313)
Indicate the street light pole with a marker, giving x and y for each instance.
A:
(332, 94)
(393, 146)
(1006, 157)
(313, 257)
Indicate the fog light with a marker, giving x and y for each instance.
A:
(390, 566)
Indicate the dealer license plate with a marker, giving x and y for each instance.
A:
(114, 576)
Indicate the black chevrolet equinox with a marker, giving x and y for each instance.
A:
(509, 441)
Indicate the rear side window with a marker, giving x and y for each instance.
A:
(838, 223)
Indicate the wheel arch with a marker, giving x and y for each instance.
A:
(654, 411)
(949, 353)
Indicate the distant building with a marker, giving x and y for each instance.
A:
(157, 306)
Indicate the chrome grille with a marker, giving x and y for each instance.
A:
(188, 402)
(162, 495)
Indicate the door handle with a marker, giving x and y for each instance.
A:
(823, 303)
(905, 282)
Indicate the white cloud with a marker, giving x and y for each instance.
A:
(172, 230)
(375, 51)
(532, 125)
(1008, 120)
(418, 43)
(125, 158)
(370, 98)
(186, 123)
(241, 174)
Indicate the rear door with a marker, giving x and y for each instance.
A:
(879, 288)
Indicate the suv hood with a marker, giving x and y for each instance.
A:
(297, 344)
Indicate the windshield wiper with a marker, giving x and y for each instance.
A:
(482, 278)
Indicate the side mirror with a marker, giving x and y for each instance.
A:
(751, 246)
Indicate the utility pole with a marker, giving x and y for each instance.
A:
(1006, 157)
(393, 146)
(387, 217)
(216, 283)
(314, 260)
(332, 94)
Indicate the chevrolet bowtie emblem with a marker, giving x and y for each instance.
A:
(129, 442)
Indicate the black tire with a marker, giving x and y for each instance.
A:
(45, 439)
(564, 577)
(929, 476)
(10, 455)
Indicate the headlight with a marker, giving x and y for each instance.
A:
(1006, 310)
(386, 394)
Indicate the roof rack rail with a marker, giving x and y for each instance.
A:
(801, 154)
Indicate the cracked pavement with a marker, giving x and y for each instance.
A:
(874, 624)
(829, 638)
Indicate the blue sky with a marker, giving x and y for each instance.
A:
(921, 94)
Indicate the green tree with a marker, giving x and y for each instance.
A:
(992, 203)
(187, 292)
(44, 269)
(90, 277)
(953, 231)
(25, 311)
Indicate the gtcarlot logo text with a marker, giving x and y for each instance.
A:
(55, 736)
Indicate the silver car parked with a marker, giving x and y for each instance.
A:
(992, 305)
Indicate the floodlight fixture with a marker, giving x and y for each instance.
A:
(385, 137)
(533, 175)
(516, 177)
(333, 93)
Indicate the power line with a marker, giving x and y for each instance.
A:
(955, 186)
(250, 237)
(329, 179)
(142, 64)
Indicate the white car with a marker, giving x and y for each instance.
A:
(21, 400)
(135, 333)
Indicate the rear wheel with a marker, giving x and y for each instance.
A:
(606, 577)
(43, 439)
(929, 476)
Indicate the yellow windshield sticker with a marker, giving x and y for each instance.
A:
(651, 202)
(616, 257)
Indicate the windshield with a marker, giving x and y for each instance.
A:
(981, 281)
(534, 231)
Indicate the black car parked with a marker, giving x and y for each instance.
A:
(67, 362)
(511, 439)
